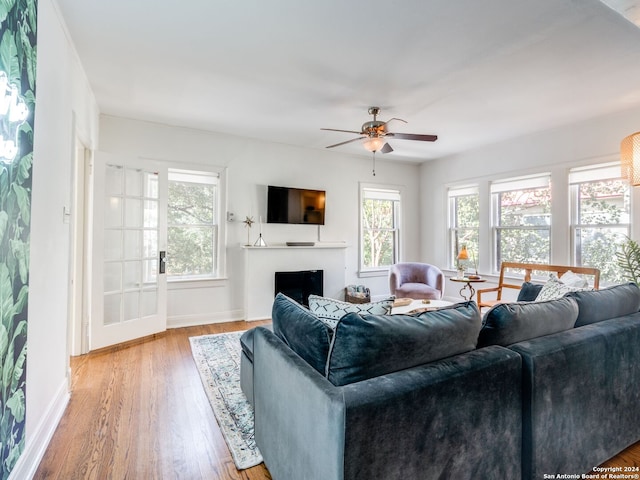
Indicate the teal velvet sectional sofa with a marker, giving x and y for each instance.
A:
(533, 388)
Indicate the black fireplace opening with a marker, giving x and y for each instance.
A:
(299, 285)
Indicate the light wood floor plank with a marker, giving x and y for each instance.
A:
(140, 411)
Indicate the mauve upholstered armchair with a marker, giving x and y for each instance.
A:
(416, 280)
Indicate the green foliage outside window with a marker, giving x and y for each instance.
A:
(466, 220)
(524, 225)
(192, 231)
(603, 218)
(378, 232)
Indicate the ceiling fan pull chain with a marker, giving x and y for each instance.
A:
(374, 164)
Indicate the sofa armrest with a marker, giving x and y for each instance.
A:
(580, 396)
(299, 414)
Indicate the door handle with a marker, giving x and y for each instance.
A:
(162, 262)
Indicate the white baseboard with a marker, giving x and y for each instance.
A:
(37, 443)
(179, 321)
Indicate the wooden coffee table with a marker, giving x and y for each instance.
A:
(419, 305)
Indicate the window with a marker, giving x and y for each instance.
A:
(521, 210)
(379, 228)
(464, 220)
(600, 218)
(192, 224)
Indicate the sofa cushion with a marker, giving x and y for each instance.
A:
(509, 323)
(367, 346)
(330, 310)
(598, 305)
(529, 291)
(301, 330)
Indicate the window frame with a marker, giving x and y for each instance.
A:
(498, 187)
(218, 224)
(592, 174)
(385, 191)
(454, 246)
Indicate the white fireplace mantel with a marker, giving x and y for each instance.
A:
(261, 263)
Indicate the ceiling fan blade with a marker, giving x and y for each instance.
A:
(414, 136)
(396, 118)
(338, 130)
(343, 143)
(386, 148)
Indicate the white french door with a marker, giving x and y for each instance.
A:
(129, 287)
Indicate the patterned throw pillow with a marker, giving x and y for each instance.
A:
(554, 288)
(330, 311)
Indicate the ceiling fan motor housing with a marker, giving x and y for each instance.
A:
(374, 128)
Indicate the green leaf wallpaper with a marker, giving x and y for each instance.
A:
(17, 107)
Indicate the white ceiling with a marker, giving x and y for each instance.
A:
(471, 71)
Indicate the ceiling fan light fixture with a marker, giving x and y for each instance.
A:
(373, 144)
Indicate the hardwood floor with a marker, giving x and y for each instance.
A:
(140, 412)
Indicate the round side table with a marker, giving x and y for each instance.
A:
(467, 288)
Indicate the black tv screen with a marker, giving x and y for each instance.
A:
(295, 205)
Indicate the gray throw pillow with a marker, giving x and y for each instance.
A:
(330, 311)
(367, 346)
(301, 331)
(509, 323)
(598, 305)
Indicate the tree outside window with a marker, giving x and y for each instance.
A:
(600, 218)
(522, 220)
(464, 222)
(379, 235)
(192, 224)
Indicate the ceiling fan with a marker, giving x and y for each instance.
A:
(375, 133)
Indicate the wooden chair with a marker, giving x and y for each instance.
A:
(528, 269)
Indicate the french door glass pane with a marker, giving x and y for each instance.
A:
(112, 277)
(131, 244)
(113, 212)
(113, 244)
(133, 213)
(112, 310)
(131, 305)
(134, 182)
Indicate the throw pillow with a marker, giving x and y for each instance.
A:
(509, 323)
(529, 291)
(330, 311)
(574, 280)
(301, 330)
(598, 305)
(554, 288)
(367, 346)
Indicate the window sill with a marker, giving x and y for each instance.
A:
(373, 273)
(184, 283)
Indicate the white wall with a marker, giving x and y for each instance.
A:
(62, 93)
(555, 151)
(251, 165)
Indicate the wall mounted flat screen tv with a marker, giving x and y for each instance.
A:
(295, 205)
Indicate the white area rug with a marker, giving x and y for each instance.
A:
(218, 360)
